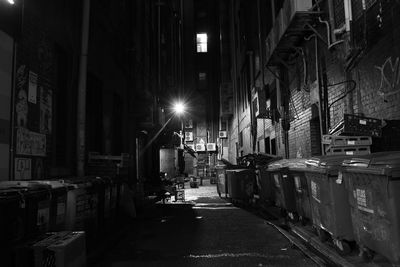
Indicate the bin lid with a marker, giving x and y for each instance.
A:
(380, 163)
(326, 164)
(291, 164)
(239, 170)
(28, 185)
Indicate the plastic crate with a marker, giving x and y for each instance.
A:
(360, 125)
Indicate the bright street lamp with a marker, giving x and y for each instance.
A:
(179, 108)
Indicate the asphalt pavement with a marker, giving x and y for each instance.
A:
(203, 230)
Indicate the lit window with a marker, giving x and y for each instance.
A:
(201, 41)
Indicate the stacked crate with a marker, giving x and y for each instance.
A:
(346, 145)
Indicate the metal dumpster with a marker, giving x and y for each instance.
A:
(329, 201)
(373, 186)
(240, 184)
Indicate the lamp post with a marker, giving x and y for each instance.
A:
(179, 109)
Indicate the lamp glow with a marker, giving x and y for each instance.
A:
(179, 108)
(11, 2)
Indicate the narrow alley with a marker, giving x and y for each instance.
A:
(202, 231)
(199, 133)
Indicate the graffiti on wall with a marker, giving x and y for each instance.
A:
(45, 110)
(21, 106)
(390, 77)
(23, 169)
(30, 143)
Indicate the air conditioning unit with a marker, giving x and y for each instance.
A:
(223, 134)
(200, 147)
(260, 103)
(211, 147)
(189, 136)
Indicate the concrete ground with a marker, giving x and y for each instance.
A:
(204, 230)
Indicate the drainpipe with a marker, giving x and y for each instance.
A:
(81, 111)
(331, 19)
(320, 104)
(235, 70)
(348, 14)
(13, 126)
(159, 44)
(260, 45)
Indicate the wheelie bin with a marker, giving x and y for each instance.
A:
(240, 184)
(283, 187)
(290, 187)
(329, 201)
(296, 169)
(265, 186)
(13, 218)
(222, 189)
(373, 185)
(36, 200)
(83, 205)
(58, 204)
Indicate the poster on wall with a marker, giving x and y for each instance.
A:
(32, 88)
(30, 143)
(23, 169)
(21, 104)
(46, 96)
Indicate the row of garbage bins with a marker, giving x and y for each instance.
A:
(350, 200)
(31, 208)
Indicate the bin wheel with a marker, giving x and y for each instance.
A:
(343, 247)
(366, 254)
(323, 235)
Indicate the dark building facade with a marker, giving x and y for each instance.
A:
(134, 61)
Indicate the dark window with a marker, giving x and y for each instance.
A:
(273, 146)
(267, 145)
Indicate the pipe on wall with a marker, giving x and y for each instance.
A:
(81, 111)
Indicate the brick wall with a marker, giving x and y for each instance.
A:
(370, 87)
